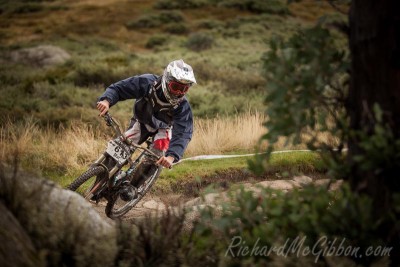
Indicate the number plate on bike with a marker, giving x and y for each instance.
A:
(118, 150)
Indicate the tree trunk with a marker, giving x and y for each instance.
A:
(375, 79)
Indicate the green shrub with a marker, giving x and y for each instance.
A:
(209, 24)
(91, 73)
(103, 69)
(176, 28)
(258, 6)
(145, 21)
(170, 16)
(156, 40)
(199, 41)
(180, 4)
(231, 78)
(276, 219)
(155, 20)
(210, 101)
(27, 8)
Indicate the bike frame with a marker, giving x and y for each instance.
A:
(98, 186)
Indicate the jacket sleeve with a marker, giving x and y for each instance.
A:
(130, 88)
(182, 131)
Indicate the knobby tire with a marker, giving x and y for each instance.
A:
(127, 207)
(91, 172)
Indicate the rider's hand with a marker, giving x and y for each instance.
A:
(103, 106)
(166, 162)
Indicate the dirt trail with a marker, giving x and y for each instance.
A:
(156, 204)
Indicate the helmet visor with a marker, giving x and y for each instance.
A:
(177, 88)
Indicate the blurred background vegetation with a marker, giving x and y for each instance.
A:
(57, 57)
(105, 41)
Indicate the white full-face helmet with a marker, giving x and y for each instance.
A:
(178, 77)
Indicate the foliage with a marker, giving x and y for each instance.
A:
(176, 28)
(208, 102)
(156, 40)
(380, 150)
(199, 41)
(258, 6)
(209, 24)
(276, 219)
(99, 58)
(155, 20)
(306, 78)
(180, 4)
(27, 6)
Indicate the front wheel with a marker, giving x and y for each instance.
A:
(95, 171)
(117, 207)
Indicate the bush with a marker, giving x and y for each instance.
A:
(176, 28)
(19, 7)
(233, 79)
(27, 8)
(156, 40)
(210, 101)
(180, 4)
(105, 69)
(146, 21)
(155, 20)
(199, 41)
(209, 24)
(170, 16)
(258, 6)
(91, 73)
(273, 218)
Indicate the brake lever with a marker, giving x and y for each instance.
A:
(107, 118)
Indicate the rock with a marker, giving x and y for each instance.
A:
(153, 205)
(256, 190)
(192, 202)
(336, 185)
(15, 242)
(278, 185)
(40, 56)
(302, 180)
(55, 218)
(322, 182)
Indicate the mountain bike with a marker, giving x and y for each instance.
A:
(116, 172)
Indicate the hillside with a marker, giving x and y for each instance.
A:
(109, 40)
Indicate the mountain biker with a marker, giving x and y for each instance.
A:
(161, 109)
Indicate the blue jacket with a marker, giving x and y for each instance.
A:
(181, 117)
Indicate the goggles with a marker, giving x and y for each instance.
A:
(177, 88)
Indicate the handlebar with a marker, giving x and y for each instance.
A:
(113, 124)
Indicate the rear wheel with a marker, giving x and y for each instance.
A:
(117, 207)
(95, 171)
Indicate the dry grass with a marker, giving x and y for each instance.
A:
(78, 145)
(222, 135)
(73, 148)
(46, 149)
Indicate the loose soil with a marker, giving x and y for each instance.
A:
(156, 200)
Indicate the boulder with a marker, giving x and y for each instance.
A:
(302, 180)
(40, 56)
(62, 226)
